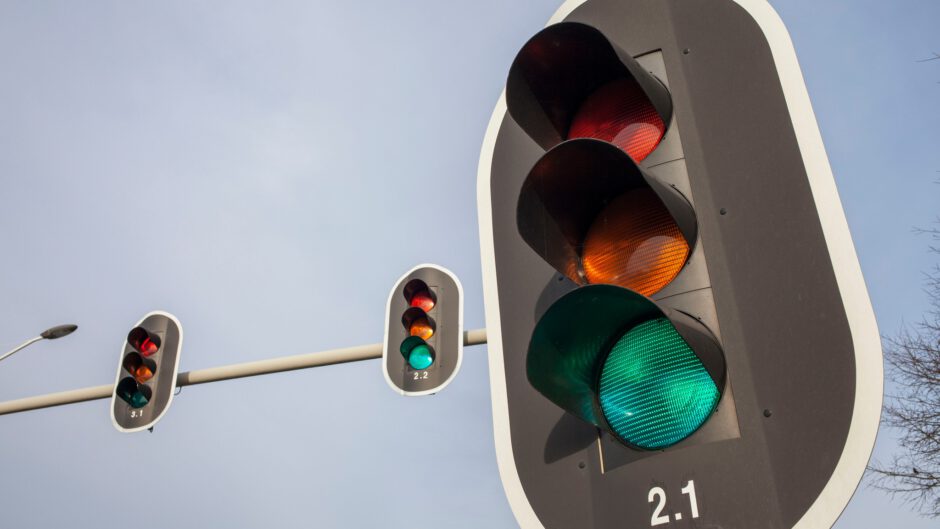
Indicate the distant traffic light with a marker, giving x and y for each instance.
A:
(676, 321)
(424, 331)
(146, 378)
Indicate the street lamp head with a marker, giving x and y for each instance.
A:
(58, 331)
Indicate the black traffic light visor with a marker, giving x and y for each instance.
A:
(558, 68)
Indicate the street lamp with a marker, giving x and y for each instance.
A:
(49, 334)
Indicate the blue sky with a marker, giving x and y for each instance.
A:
(266, 172)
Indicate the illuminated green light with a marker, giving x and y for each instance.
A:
(654, 391)
(417, 353)
(420, 357)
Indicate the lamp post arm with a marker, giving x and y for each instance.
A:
(21, 346)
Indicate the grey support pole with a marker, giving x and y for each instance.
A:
(216, 374)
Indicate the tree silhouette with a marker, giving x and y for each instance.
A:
(913, 358)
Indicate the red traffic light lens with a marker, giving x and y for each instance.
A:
(423, 301)
(145, 343)
(417, 294)
(634, 243)
(620, 113)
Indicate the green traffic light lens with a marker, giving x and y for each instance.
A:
(420, 357)
(138, 400)
(654, 391)
(134, 394)
(417, 353)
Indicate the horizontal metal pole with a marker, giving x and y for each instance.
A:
(216, 374)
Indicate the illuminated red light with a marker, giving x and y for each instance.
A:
(620, 113)
(141, 340)
(423, 301)
(147, 347)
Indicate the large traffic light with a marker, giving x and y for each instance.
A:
(423, 345)
(146, 377)
(678, 328)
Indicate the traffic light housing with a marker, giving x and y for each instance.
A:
(146, 377)
(423, 345)
(598, 218)
(674, 308)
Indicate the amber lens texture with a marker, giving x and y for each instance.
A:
(421, 328)
(143, 374)
(620, 113)
(634, 243)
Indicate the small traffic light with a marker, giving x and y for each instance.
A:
(677, 324)
(146, 378)
(424, 331)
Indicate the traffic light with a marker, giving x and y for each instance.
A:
(423, 345)
(146, 377)
(678, 329)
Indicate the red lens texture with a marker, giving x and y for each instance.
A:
(147, 347)
(423, 301)
(620, 113)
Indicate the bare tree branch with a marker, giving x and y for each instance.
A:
(935, 57)
(913, 358)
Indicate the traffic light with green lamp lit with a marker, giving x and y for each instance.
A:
(423, 346)
(644, 371)
(146, 378)
(665, 278)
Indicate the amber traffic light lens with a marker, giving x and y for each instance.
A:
(421, 327)
(620, 113)
(634, 243)
(142, 369)
(143, 374)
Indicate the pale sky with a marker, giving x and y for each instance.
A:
(266, 171)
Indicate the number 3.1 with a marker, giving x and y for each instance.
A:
(658, 517)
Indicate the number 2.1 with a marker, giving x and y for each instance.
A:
(658, 517)
(693, 502)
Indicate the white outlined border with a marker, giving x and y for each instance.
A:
(388, 308)
(176, 368)
(869, 375)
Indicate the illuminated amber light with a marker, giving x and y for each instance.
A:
(619, 112)
(143, 374)
(634, 243)
(421, 328)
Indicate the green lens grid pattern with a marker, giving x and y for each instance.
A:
(654, 391)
